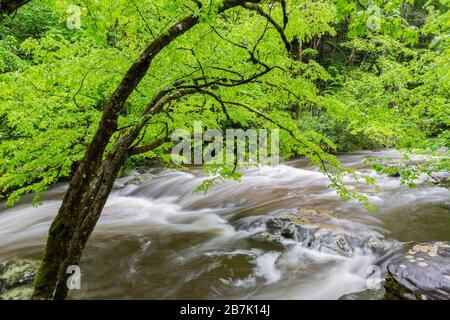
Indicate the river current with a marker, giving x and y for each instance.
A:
(159, 240)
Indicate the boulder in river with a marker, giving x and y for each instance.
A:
(16, 279)
(265, 236)
(441, 178)
(311, 229)
(421, 274)
(138, 180)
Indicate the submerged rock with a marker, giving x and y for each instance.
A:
(151, 166)
(446, 205)
(286, 226)
(138, 180)
(441, 179)
(265, 236)
(310, 228)
(421, 274)
(16, 279)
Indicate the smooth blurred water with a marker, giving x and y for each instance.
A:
(158, 240)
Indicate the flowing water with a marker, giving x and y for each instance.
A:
(158, 240)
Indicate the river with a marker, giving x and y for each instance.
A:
(158, 240)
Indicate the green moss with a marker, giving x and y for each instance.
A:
(16, 279)
(18, 293)
(394, 291)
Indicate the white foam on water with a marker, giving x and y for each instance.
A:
(123, 213)
(266, 267)
(301, 273)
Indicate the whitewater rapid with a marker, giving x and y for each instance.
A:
(158, 239)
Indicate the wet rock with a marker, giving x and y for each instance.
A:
(287, 224)
(283, 226)
(310, 228)
(441, 179)
(369, 294)
(339, 242)
(423, 273)
(152, 167)
(280, 228)
(330, 241)
(138, 180)
(446, 205)
(265, 236)
(16, 279)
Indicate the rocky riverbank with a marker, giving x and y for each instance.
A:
(16, 279)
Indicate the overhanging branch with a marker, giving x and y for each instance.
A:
(280, 29)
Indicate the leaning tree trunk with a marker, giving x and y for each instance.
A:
(79, 212)
(64, 225)
(92, 206)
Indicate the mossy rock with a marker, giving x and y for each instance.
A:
(18, 293)
(423, 273)
(265, 236)
(16, 279)
(369, 294)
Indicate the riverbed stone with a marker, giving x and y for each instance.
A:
(265, 236)
(330, 241)
(137, 180)
(310, 228)
(369, 294)
(423, 273)
(441, 178)
(16, 279)
(284, 226)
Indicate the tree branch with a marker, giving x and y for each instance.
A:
(276, 25)
(146, 148)
(9, 6)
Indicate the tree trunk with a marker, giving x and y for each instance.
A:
(93, 204)
(95, 200)
(9, 6)
(78, 215)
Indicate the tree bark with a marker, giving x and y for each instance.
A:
(9, 6)
(93, 203)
